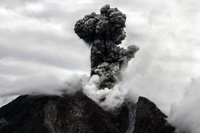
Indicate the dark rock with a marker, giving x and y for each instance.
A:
(79, 114)
(149, 119)
(123, 117)
(54, 114)
(142, 117)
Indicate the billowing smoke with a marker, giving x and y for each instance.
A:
(185, 112)
(108, 99)
(104, 32)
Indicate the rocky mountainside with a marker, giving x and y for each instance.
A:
(79, 114)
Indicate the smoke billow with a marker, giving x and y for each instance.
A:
(184, 113)
(108, 99)
(104, 32)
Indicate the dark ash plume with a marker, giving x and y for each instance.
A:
(104, 32)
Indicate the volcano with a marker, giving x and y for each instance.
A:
(79, 114)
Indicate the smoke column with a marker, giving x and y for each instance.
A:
(103, 33)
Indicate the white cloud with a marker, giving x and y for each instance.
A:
(42, 84)
(108, 99)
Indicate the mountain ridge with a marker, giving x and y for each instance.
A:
(77, 114)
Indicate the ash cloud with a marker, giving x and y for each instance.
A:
(103, 33)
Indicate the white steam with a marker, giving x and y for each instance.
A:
(49, 84)
(109, 99)
(185, 114)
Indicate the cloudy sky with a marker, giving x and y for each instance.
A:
(37, 38)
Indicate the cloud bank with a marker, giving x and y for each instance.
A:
(42, 84)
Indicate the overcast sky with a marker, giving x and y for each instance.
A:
(37, 37)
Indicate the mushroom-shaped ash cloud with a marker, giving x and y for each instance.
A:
(104, 32)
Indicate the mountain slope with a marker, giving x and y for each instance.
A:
(79, 114)
(54, 114)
